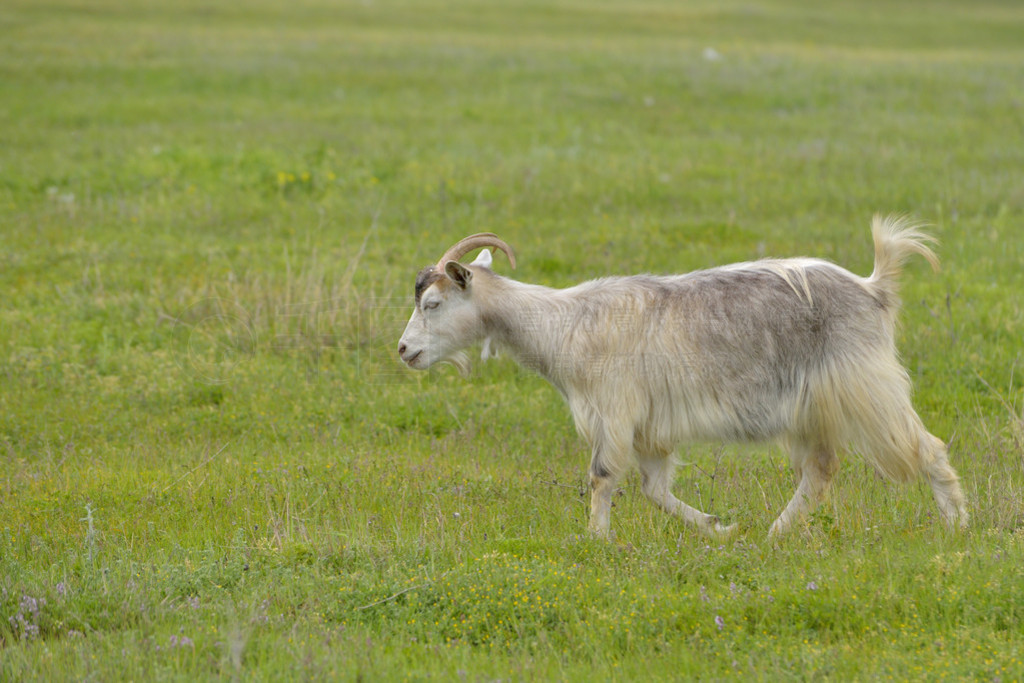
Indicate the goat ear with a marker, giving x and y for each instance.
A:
(483, 259)
(459, 273)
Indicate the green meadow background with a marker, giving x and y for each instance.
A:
(213, 467)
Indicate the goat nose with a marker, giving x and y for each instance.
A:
(401, 349)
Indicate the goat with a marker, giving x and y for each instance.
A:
(800, 351)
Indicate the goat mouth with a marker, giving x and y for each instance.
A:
(412, 359)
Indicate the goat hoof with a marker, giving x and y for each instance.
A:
(956, 520)
(602, 534)
(723, 530)
(726, 529)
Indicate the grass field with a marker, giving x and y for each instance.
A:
(212, 465)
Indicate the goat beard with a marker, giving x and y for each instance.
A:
(460, 359)
(461, 362)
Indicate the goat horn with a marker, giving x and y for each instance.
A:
(468, 244)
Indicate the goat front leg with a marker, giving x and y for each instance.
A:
(657, 486)
(605, 473)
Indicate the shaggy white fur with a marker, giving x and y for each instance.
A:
(799, 351)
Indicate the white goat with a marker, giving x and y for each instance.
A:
(797, 350)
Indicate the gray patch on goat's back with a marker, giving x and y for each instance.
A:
(753, 337)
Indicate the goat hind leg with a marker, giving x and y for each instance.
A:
(816, 467)
(944, 481)
(657, 486)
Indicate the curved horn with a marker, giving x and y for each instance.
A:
(468, 244)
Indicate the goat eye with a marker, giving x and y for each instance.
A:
(431, 305)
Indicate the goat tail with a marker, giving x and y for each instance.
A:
(896, 238)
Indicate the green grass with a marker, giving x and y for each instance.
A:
(212, 466)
